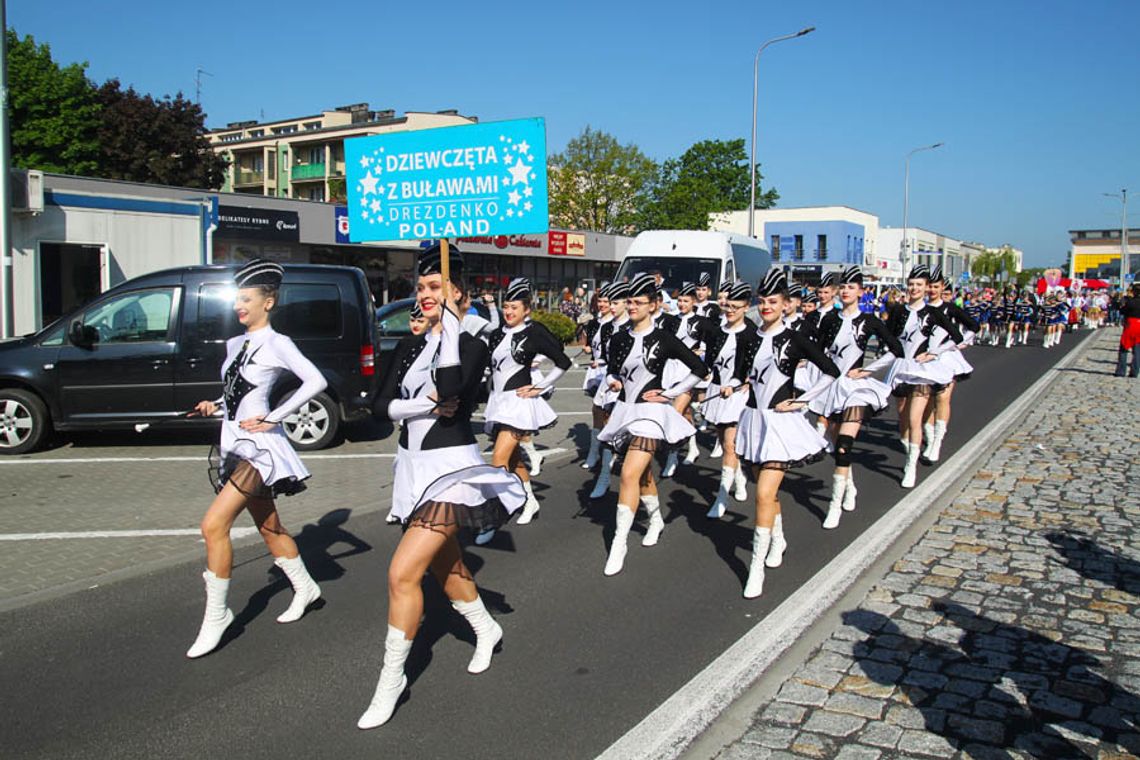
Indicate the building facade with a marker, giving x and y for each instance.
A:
(1095, 254)
(811, 241)
(303, 157)
(91, 234)
(927, 247)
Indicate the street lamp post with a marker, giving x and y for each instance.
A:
(906, 205)
(755, 88)
(1123, 196)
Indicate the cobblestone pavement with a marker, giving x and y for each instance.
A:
(1011, 628)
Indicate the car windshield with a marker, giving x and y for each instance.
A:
(675, 271)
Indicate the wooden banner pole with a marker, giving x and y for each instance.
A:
(445, 269)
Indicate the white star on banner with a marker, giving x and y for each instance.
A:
(364, 203)
(375, 206)
(519, 173)
(510, 212)
(513, 198)
(523, 147)
(528, 205)
(368, 184)
(363, 214)
(364, 162)
(528, 192)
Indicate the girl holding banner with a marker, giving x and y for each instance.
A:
(431, 386)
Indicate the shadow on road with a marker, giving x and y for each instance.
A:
(1085, 556)
(1001, 688)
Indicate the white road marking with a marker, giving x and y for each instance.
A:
(113, 460)
(667, 731)
(234, 532)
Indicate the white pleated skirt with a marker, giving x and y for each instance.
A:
(270, 453)
(806, 376)
(523, 414)
(605, 397)
(766, 436)
(912, 372)
(645, 419)
(454, 475)
(956, 362)
(594, 376)
(724, 411)
(847, 392)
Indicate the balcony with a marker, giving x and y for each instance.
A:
(820, 254)
(308, 172)
(244, 177)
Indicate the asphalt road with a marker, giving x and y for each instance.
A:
(101, 673)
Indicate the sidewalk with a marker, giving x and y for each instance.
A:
(1011, 628)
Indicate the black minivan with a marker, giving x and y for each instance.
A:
(151, 348)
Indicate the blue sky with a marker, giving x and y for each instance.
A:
(1038, 102)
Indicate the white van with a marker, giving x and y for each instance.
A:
(684, 255)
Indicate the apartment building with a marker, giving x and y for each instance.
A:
(303, 157)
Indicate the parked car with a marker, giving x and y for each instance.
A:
(392, 325)
(151, 348)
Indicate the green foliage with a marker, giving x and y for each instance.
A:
(712, 175)
(598, 184)
(338, 189)
(53, 111)
(561, 325)
(146, 139)
(992, 265)
(61, 122)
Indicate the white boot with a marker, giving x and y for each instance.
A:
(530, 508)
(718, 450)
(652, 505)
(670, 465)
(935, 450)
(927, 439)
(779, 545)
(761, 539)
(623, 522)
(849, 494)
(532, 457)
(392, 681)
(595, 450)
(693, 452)
(718, 508)
(740, 484)
(835, 506)
(603, 483)
(217, 618)
(910, 471)
(305, 589)
(1008, 339)
(391, 519)
(488, 633)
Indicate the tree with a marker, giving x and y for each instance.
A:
(712, 175)
(598, 184)
(145, 139)
(993, 263)
(53, 110)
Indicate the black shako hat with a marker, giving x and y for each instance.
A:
(259, 272)
(851, 274)
(740, 291)
(705, 280)
(773, 283)
(518, 290)
(919, 272)
(417, 312)
(828, 280)
(643, 284)
(431, 262)
(688, 289)
(619, 290)
(810, 296)
(936, 273)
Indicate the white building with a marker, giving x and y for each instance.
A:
(923, 247)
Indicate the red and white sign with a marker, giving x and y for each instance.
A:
(567, 243)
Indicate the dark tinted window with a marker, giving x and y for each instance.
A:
(217, 321)
(309, 311)
(675, 271)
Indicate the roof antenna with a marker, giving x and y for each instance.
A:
(198, 84)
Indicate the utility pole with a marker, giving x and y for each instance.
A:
(1123, 196)
(7, 314)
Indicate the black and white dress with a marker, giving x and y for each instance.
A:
(604, 397)
(254, 362)
(595, 374)
(968, 326)
(723, 349)
(638, 361)
(710, 310)
(695, 332)
(513, 353)
(765, 437)
(444, 479)
(844, 339)
(921, 330)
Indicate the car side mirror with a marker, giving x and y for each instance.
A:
(83, 335)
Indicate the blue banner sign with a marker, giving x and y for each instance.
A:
(482, 179)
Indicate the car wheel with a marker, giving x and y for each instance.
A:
(315, 425)
(24, 421)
